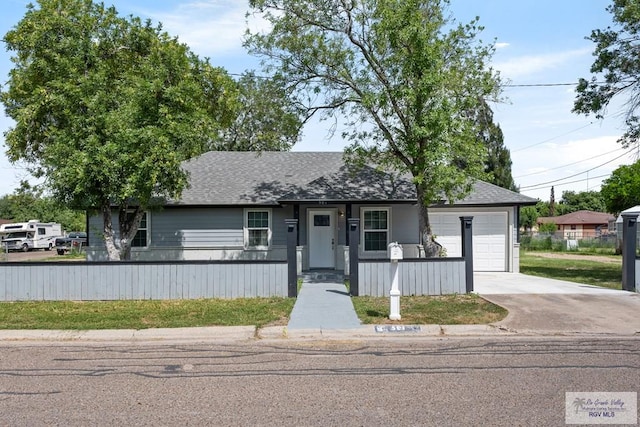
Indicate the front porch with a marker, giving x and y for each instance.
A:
(323, 238)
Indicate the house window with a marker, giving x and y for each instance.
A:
(257, 228)
(375, 229)
(141, 239)
(321, 221)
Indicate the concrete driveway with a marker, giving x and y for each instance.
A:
(547, 306)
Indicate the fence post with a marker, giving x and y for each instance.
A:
(354, 242)
(629, 239)
(467, 250)
(292, 259)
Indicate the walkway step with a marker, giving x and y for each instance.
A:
(323, 305)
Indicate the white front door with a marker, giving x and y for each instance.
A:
(322, 238)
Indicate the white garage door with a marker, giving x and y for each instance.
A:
(489, 238)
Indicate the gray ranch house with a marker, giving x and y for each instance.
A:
(237, 203)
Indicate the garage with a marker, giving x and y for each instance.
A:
(490, 233)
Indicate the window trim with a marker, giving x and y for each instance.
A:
(245, 228)
(363, 231)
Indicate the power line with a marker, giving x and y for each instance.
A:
(569, 164)
(567, 183)
(577, 174)
(504, 85)
(542, 84)
(561, 84)
(552, 138)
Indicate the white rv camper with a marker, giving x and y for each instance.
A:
(25, 236)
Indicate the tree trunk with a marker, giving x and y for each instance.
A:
(113, 253)
(129, 223)
(432, 249)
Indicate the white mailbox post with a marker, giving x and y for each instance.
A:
(395, 253)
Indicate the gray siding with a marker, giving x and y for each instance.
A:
(189, 233)
(201, 228)
(278, 226)
(404, 224)
(197, 227)
(136, 280)
(442, 276)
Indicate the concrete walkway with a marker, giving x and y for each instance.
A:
(323, 303)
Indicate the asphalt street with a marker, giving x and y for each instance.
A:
(497, 381)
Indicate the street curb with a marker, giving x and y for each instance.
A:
(209, 333)
(281, 333)
(383, 332)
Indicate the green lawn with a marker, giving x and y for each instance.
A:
(430, 310)
(589, 270)
(439, 310)
(145, 314)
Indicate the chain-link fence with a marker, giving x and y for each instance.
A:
(606, 243)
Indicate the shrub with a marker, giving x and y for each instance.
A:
(548, 228)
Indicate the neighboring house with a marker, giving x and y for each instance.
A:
(237, 204)
(580, 224)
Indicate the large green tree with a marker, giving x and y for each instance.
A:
(27, 203)
(528, 217)
(267, 118)
(616, 68)
(583, 200)
(498, 162)
(406, 76)
(622, 189)
(106, 108)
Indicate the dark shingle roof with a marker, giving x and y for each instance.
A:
(249, 178)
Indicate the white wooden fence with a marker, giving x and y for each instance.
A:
(91, 281)
(434, 276)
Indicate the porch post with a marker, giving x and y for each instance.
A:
(629, 238)
(296, 216)
(347, 213)
(467, 250)
(292, 264)
(354, 241)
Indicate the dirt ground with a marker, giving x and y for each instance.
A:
(562, 255)
(35, 255)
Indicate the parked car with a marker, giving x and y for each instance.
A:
(74, 240)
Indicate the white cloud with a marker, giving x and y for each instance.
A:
(501, 45)
(582, 161)
(210, 27)
(518, 67)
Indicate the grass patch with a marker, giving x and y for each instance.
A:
(430, 310)
(72, 256)
(145, 314)
(591, 272)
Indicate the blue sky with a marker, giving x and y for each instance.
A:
(538, 42)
